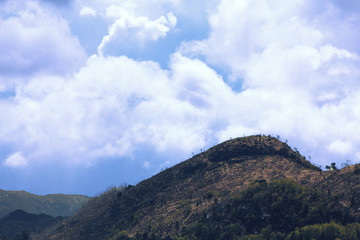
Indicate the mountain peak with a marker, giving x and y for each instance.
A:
(257, 145)
(186, 191)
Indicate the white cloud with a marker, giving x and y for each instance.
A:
(138, 28)
(113, 106)
(171, 19)
(87, 11)
(150, 8)
(34, 41)
(298, 82)
(16, 160)
(299, 79)
(340, 147)
(130, 27)
(147, 164)
(270, 43)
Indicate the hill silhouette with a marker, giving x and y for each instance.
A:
(213, 189)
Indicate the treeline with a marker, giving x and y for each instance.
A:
(278, 210)
(326, 231)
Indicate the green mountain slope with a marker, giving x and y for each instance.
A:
(223, 190)
(20, 223)
(52, 204)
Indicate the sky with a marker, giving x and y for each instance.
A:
(98, 93)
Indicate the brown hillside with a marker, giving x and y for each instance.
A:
(179, 195)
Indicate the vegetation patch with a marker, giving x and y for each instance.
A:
(280, 209)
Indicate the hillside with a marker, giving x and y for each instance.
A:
(19, 222)
(199, 194)
(52, 204)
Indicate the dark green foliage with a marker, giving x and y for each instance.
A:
(277, 210)
(22, 236)
(284, 205)
(357, 169)
(202, 231)
(355, 197)
(268, 211)
(328, 231)
(18, 224)
(332, 167)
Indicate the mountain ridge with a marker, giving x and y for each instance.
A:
(51, 204)
(175, 198)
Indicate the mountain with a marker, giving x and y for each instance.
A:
(250, 186)
(52, 204)
(20, 222)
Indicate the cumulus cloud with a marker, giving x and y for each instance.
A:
(129, 27)
(340, 147)
(144, 29)
(87, 11)
(150, 8)
(115, 105)
(298, 77)
(34, 41)
(15, 160)
(297, 80)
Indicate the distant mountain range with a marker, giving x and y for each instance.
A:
(23, 214)
(53, 204)
(253, 187)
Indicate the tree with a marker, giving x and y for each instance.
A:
(332, 167)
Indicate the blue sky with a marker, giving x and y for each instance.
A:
(99, 93)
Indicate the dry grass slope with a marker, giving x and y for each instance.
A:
(175, 198)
